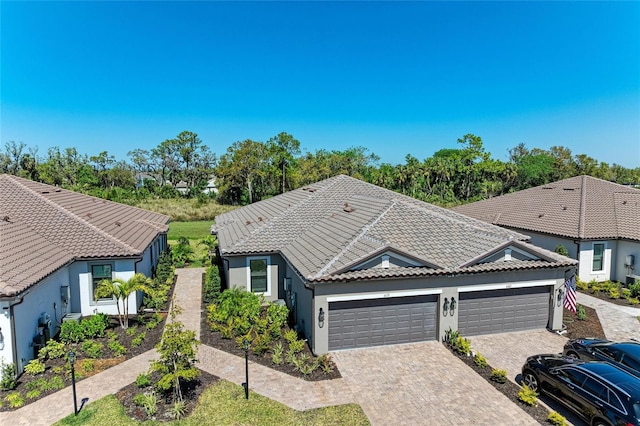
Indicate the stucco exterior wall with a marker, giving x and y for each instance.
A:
(123, 269)
(585, 271)
(43, 298)
(624, 249)
(238, 274)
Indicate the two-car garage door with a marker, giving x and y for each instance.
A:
(375, 322)
(498, 311)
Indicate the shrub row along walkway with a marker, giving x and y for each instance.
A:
(295, 393)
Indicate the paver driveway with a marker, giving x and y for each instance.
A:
(423, 384)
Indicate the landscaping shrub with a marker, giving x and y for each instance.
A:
(52, 350)
(137, 341)
(626, 293)
(614, 293)
(581, 313)
(143, 380)
(480, 361)
(92, 349)
(14, 399)
(277, 356)
(117, 348)
(34, 367)
(71, 332)
(582, 285)
(562, 250)
(296, 345)
(462, 345)
(635, 289)
(235, 313)
(212, 282)
(528, 396)
(499, 376)
(556, 419)
(326, 363)
(158, 289)
(95, 325)
(87, 365)
(8, 376)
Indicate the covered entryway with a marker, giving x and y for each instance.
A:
(498, 311)
(375, 322)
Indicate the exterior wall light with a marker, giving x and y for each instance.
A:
(560, 296)
(445, 307)
(452, 306)
(321, 318)
(1, 340)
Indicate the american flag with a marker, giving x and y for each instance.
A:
(570, 294)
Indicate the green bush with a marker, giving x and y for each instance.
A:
(131, 331)
(635, 289)
(55, 383)
(212, 282)
(556, 419)
(277, 314)
(92, 349)
(633, 300)
(34, 367)
(480, 361)
(626, 293)
(8, 377)
(143, 380)
(277, 356)
(14, 399)
(236, 308)
(94, 326)
(33, 394)
(52, 350)
(71, 332)
(528, 396)
(296, 345)
(137, 341)
(614, 293)
(462, 345)
(582, 285)
(87, 365)
(499, 376)
(562, 250)
(581, 312)
(260, 344)
(290, 336)
(117, 348)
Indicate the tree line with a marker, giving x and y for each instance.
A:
(250, 171)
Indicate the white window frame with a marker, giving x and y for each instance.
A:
(593, 253)
(268, 260)
(105, 301)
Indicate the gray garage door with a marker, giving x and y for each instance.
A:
(375, 322)
(497, 311)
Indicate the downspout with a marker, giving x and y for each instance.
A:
(14, 345)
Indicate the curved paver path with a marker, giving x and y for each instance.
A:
(618, 322)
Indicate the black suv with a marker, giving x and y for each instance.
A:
(599, 392)
(625, 355)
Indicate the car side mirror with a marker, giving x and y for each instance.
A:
(553, 371)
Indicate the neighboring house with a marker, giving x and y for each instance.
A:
(359, 265)
(140, 179)
(211, 187)
(182, 187)
(55, 246)
(598, 222)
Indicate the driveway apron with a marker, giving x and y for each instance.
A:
(423, 384)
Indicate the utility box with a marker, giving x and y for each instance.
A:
(72, 316)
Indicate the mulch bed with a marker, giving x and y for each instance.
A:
(60, 367)
(590, 327)
(191, 392)
(508, 389)
(214, 339)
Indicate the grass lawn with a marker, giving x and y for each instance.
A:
(224, 404)
(192, 230)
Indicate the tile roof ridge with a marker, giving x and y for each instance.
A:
(351, 243)
(286, 212)
(73, 216)
(583, 207)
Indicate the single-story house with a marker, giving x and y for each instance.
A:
(55, 246)
(597, 221)
(359, 265)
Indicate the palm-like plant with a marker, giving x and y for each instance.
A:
(120, 290)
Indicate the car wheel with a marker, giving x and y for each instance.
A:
(530, 379)
(600, 422)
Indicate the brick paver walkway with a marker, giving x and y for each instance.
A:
(618, 322)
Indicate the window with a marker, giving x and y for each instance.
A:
(259, 280)
(598, 257)
(99, 273)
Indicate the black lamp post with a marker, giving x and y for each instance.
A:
(245, 385)
(72, 361)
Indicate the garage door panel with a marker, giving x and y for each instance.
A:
(381, 321)
(496, 311)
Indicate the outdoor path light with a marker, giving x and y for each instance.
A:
(245, 385)
(72, 361)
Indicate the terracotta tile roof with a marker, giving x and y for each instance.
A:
(581, 207)
(43, 227)
(327, 228)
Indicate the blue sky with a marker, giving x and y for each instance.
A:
(397, 78)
